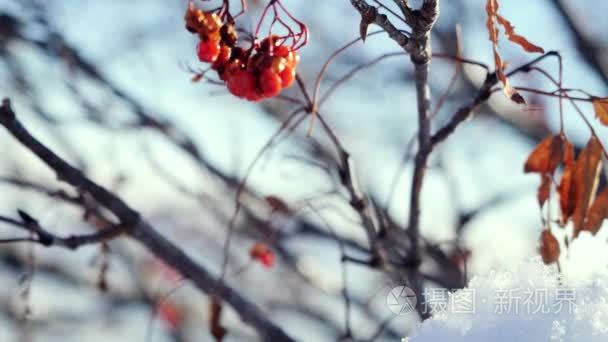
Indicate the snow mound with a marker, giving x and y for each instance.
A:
(529, 304)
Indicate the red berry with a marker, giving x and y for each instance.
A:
(203, 23)
(260, 252)
(292, 58)
(281, 51)
(240, 83)
(269, 43)
(270, 82)
(267, 259)
(229, 69)
(278, 64)
(169, 313)
(211, 22)
(254, 95)
(192, 18)
(287, 76)
(222, 58)
(208, 50)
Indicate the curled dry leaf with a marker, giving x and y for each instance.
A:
(601, 110)
(516, 38)
(544, 189)
(277, 204)
(491, 9)
(549, 247)
(565, 188)
(367, 18)
(585, 176)
(546, 157)
(493, 18)
(597, 213)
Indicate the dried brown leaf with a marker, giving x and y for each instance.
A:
(509, 91)
(565, 188)
(277, 204)
(585, 178)
(493, 17)
(546, 157)
(549, 247)
(491, 9)
(601, 110)
(544, 189)
(516, 38)
(568, 152)
(597, 213)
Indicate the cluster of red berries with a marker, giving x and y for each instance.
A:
(259, 72)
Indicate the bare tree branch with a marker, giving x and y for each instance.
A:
(370, 14)
(142, 231)
(48, 239)
(422, 23)
(482, 95)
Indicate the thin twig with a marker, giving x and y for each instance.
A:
(142, 231)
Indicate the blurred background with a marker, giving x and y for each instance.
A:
(107, 85)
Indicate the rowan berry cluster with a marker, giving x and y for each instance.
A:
(256, 73)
